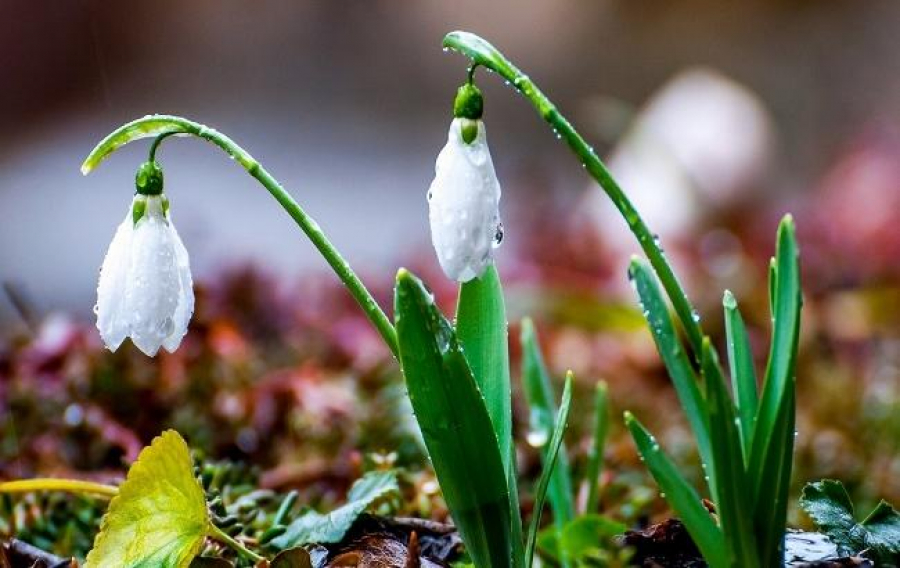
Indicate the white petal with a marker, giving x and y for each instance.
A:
(111, 318)
(151, 297)
(464, 205)
(185, 296)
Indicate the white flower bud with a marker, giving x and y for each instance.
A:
(145, 290)
(463, 203)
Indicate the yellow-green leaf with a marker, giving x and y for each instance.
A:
(159, 517)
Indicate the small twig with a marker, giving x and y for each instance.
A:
(412, 551)
(218, 534)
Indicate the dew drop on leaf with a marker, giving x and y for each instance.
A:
(537, 438)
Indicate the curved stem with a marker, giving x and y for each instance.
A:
(55, 484)
(483, 53)
(156, 142)
(163, 126)
(215, 532)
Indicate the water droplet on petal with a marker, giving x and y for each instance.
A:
(498, 236)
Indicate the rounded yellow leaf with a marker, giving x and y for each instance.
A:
(159, 517)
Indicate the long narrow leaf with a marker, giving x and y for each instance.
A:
(770, 514)
(786, 301)
(481, 327)
(673, 355)
(780, 367)
(595, 457)
(733, 492)
(455, 425)
(542, 415)
(552, 452)
(482, 331)
(743, 374)
(771, 456)
(680, 495)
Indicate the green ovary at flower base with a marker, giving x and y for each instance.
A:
(145, 290)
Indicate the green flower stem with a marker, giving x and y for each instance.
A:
(483, 53)
(54, 484)
(163, 126)
(218, 534)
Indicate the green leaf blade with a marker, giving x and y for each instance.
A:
(482, 329)
(159, 516)
(732, 496)
(878, 536)
(772, 442)
(455, 424)
(883, 533)
(145, 127)
(774, 483)
(317, 528)
(559, 429)
(786, 304)
(542, 415)
(680, 495)
(678, 364)
(829, 505)
(743, 374)
(595, 458)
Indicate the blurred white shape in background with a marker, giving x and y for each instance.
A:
(701, 142)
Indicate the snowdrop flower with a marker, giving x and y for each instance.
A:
(464, 198)
(145, 290)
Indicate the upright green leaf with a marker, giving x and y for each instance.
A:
(159, 517)
(743, 374)
(542, 415)
(772, 444)
(552, 452)
(774, 483)
(732, 497)
(455, 425)
(680, 495)
(318, 528)
(595, 457)
(673, 355)
(482, 330)
(786, 327)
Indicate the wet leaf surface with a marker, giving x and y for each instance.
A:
(319, 528)
(877, 537)
(159, 516)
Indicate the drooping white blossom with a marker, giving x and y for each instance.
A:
(145, 290)
(463, 203)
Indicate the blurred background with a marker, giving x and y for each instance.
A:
(716, 119)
